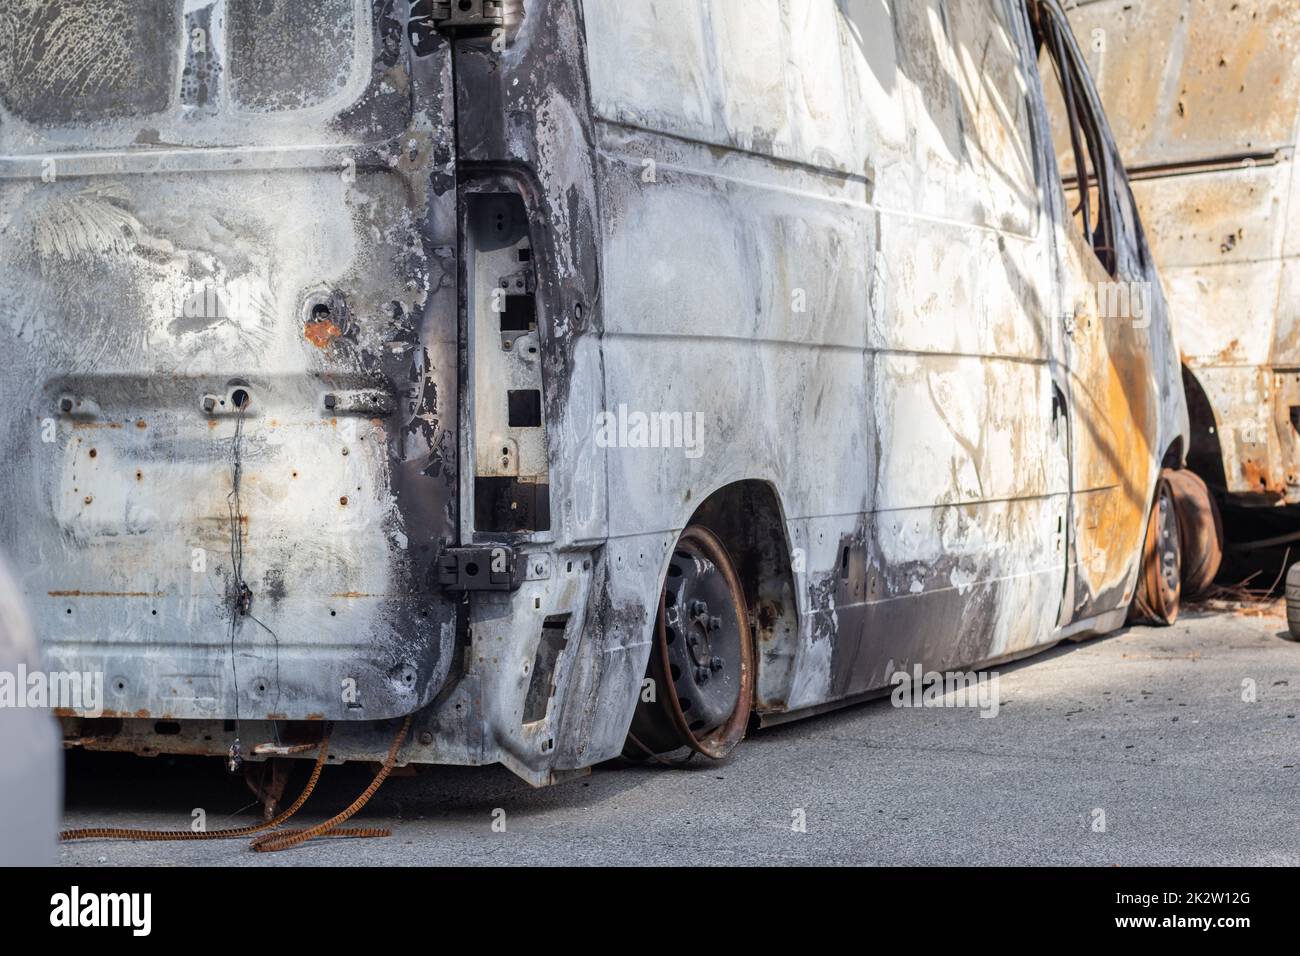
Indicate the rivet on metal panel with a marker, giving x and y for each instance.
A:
(539, 567)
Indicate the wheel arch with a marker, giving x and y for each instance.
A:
(749, 519)
(1204, 449)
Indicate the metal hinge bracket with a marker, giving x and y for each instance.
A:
(451, 16)
(486, 567)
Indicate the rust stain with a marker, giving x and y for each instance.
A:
(121, 594)
(1230, 354)
(322, 333)
(1258, 477)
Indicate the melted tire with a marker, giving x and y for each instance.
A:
(1200, 530)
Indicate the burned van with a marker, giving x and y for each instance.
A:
(575, 378)
(1205, 101)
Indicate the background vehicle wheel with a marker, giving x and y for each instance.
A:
(702, 662)
(1159, 589)
(1293, 601)
(1200, 530)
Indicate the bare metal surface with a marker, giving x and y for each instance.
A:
(157, 262)
(823, 227)
(1208, 94)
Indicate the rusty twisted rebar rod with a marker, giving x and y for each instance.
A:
(284, 839)
(279, 840)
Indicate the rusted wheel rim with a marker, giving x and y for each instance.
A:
(1168, 548)
(1161, 582)
(703, 642)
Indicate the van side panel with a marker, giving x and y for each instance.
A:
(859, 311)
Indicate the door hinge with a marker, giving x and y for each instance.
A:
(453, 16)
(486, 567)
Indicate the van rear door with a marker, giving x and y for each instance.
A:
(228, 303)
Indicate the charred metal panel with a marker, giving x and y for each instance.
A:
(1205, 100)
(1190, 80)
(1128, 413)
(504, 367)
(228, 277)
(826, 238)
(524, 134)
(884, 298)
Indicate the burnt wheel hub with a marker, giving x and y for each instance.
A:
(1168, 548)
(703, 640)
(701, 668)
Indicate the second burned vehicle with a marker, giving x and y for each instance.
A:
(574, 376)
(1205, 101)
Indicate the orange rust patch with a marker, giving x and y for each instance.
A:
(1230, 354)
(322, 333)
(1258, 477)
(142, 424)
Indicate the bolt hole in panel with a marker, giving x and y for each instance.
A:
(202, 240)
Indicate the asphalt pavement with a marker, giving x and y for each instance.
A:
(1149, 747)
